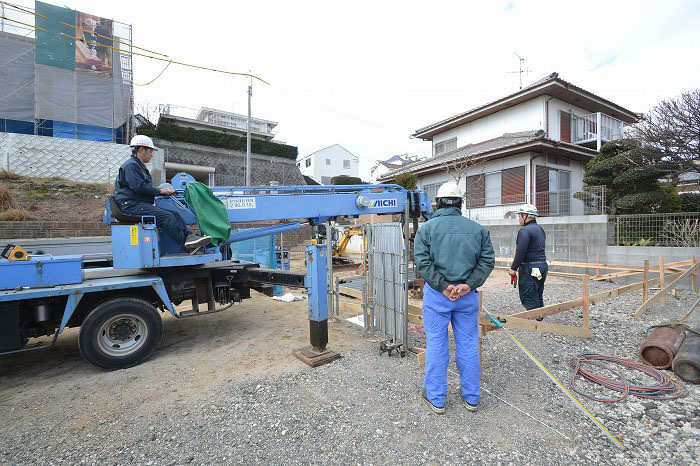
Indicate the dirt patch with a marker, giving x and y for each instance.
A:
(54, 199)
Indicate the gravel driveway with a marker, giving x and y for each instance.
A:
(208, 401)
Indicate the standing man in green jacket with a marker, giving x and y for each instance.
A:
(455, 256)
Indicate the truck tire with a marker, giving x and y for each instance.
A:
(120, 333)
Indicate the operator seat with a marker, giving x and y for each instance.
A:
(120, 216)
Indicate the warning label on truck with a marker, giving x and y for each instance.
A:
(240, 203)
(133, 235)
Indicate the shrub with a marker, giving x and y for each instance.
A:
(14, 215)
(173, 132)
(690, 202)
(6, 201)
(345, 179)
(407, 180)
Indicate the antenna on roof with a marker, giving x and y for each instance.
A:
(520, 71)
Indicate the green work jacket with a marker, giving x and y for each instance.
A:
(451, 249)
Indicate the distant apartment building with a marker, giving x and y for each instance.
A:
(328, 162)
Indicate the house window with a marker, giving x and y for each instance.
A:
(513, 185)
(308, 162)
(445, 146)
(346, 164)
(493, 188)
(431, 191)
(553, 190)
(328, 161)
(475, 193)
(564, 126)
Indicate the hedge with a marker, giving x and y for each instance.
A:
(202, 137)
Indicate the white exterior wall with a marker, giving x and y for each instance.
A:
(555, 106)
(378, 173)
(336, 153)
(576, 169)
(525, 116)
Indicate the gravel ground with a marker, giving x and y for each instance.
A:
(365, 408)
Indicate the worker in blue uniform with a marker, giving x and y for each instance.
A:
(530, 261)
(455, 256)
(135, 194)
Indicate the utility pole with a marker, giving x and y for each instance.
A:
(247, 155)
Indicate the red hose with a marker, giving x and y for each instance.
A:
(666, 388)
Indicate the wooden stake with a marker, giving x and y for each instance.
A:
(675, 279)
(597, 261)
(586, 313)
(661, 279)
(645, 290)
(693, 277)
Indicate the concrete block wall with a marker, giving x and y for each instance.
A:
(230, 164)
(574, 238)
(41, 229)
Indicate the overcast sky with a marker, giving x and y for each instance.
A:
(366, 74)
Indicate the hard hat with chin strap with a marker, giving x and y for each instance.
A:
(450, 189)
(529, 209)
(142, 141)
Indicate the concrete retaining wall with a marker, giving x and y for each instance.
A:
(574, 238)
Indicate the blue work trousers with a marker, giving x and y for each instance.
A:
(168, 222)
(531, 289)
(438, 311)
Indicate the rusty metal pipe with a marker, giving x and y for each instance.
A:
(661, 346)
(686, 364)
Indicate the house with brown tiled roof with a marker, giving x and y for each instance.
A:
(531, 146)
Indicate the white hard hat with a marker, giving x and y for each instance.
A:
(529, 209)
(142, 141)
(450, 189)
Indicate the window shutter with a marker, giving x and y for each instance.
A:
(513, 185)
(542, 189)
(476, 191)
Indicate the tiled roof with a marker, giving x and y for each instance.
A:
(508, 139)
(551, 78)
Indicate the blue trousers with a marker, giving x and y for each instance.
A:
(438, 311)
(531, 289)
(168, 222)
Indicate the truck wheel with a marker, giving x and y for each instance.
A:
(120, 333)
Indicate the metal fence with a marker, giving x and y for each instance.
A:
(682, 229)
(388, 284)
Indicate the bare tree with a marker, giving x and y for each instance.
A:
(461, 168)
(673, 128)
(150, 111)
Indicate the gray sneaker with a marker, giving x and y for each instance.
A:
(468, 405)
(195, 241)
(436, 409)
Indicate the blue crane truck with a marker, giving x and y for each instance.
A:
(118, 307)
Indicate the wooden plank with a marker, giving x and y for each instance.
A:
(661, 279)
(574, 303)
(420, 353)
(658, 295)
(693, 277)
(586, 315)
(350, 292)
(597, 262)
(552, 273)
(589, 265)
(527, 324)
(645, 288)
(609, 276)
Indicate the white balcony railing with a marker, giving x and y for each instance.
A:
(595, 127)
